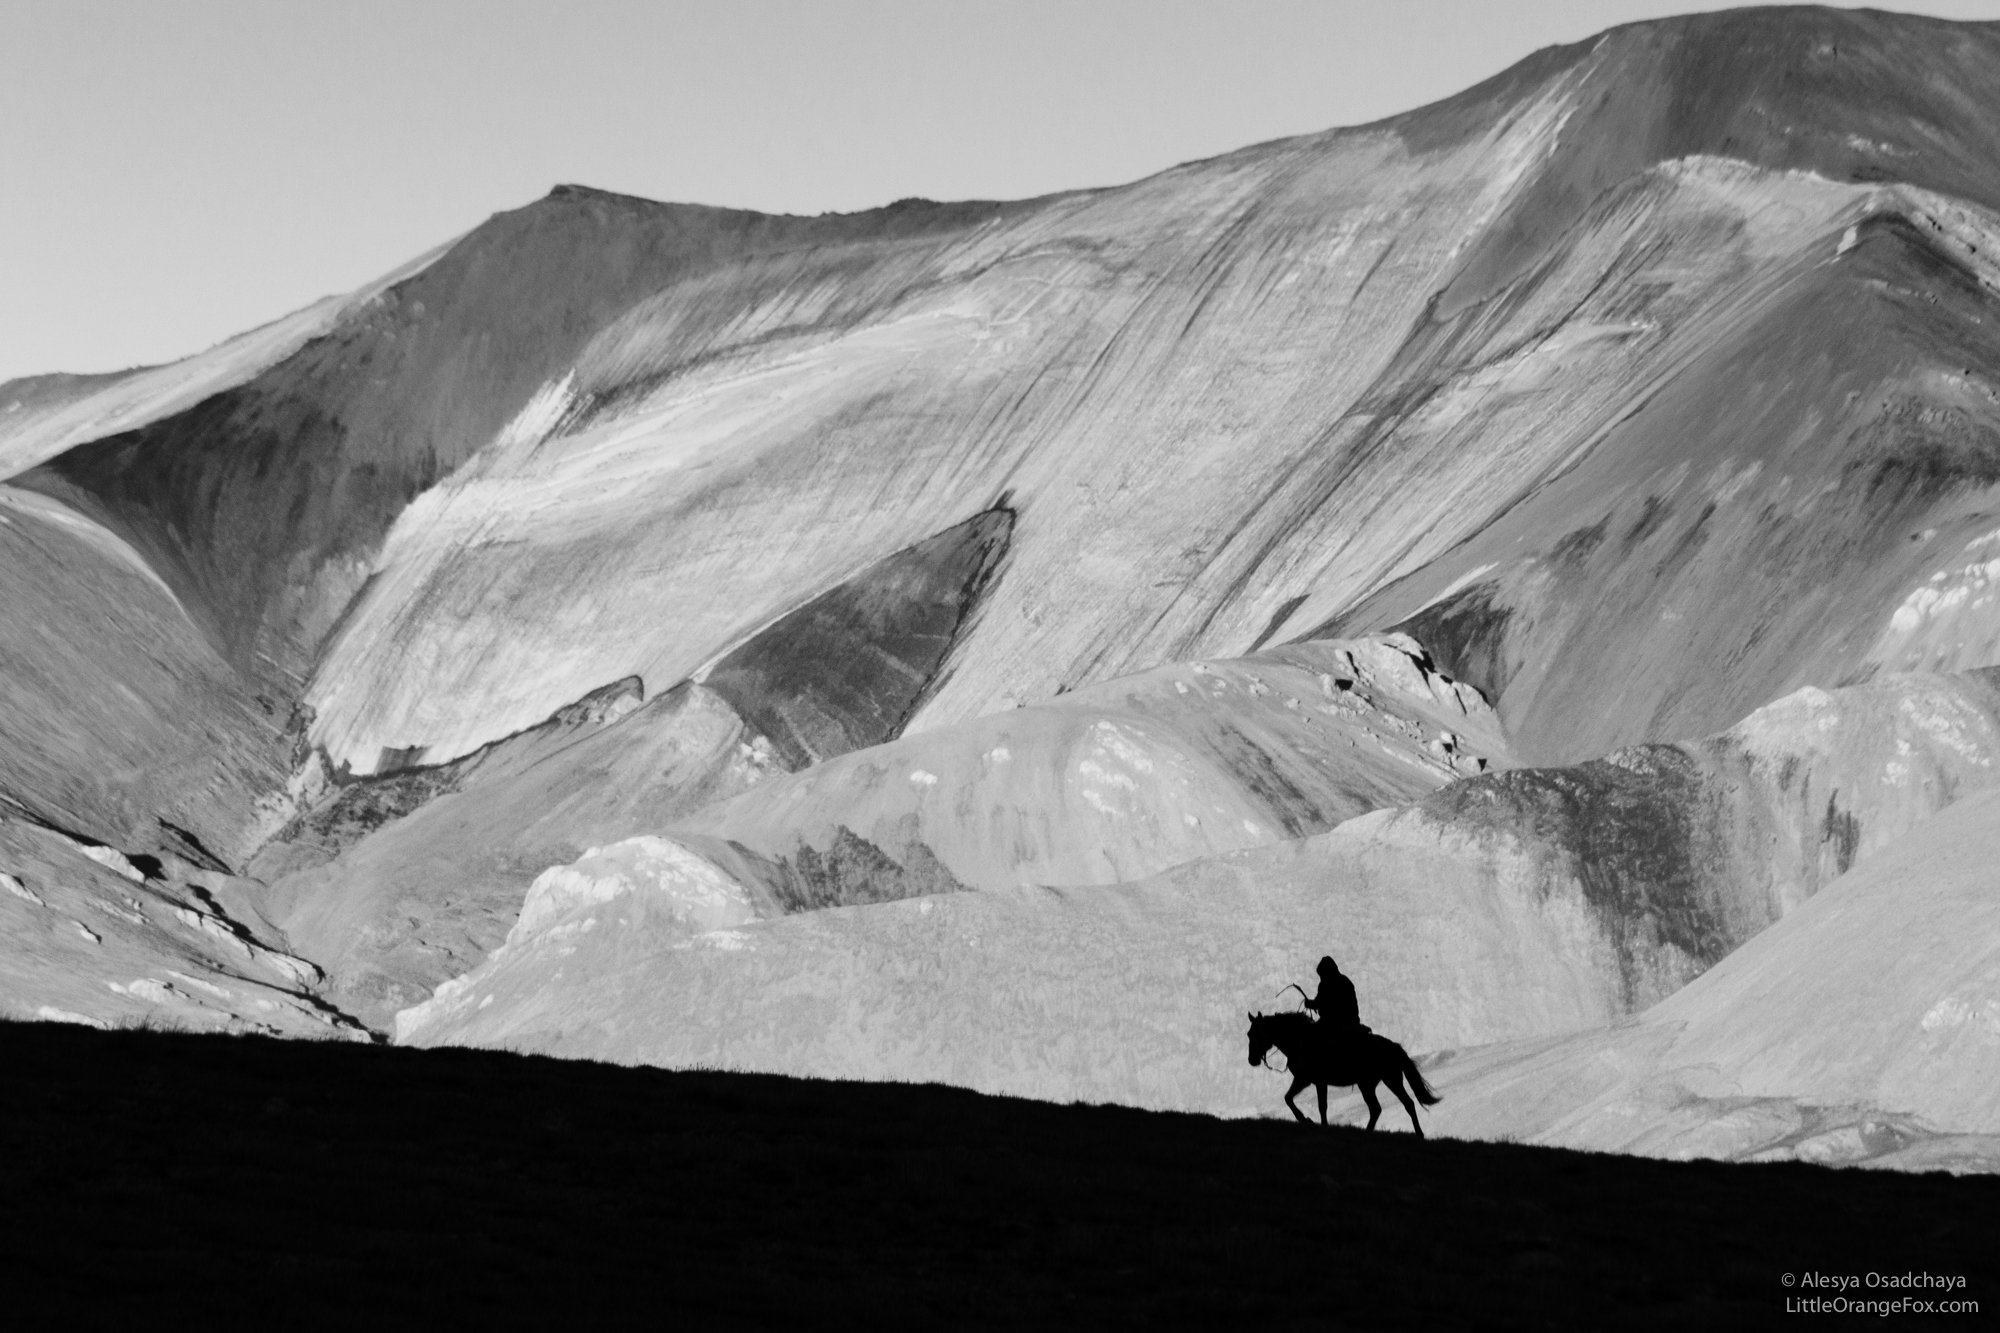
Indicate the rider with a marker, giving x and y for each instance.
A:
(1336, 1003)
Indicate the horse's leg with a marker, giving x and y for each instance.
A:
(1396, 1086)
(1374, 1107)
(1298, 1085)
(1322, 1102)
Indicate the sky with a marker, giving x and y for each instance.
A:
(176, 171)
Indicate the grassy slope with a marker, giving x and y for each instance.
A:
(149, 1171)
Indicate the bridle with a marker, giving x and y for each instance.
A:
(1265, 1058)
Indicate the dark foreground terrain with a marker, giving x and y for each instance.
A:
(174, 1177)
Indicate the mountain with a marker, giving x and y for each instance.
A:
(1529, 546)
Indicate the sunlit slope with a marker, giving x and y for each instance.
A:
(1500, 907)
(1856, 1029)
(401, 881)
(397, 884)
(1121, 780)
(1323, 381)
(1760, 518)
(263, 505)
(1093, 363)
(1228, 403)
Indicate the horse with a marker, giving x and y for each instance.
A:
(1317, 1057)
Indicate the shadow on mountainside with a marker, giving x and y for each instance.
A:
(402, 1187)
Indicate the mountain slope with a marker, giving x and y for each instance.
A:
(1525, 903)
(1323, 381)
(1858, 1028)
(1228, 407)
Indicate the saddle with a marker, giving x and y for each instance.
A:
(1339, 1040)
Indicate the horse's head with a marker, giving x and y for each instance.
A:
(1260, 1038)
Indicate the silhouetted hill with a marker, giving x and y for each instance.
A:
(169, 1176)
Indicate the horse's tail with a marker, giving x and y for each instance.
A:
(1415, 1078)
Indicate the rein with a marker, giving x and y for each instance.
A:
(1266, 1061)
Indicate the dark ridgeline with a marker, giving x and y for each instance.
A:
(155, 1174)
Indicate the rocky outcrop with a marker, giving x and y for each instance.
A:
(348, 809)
(88, 936)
